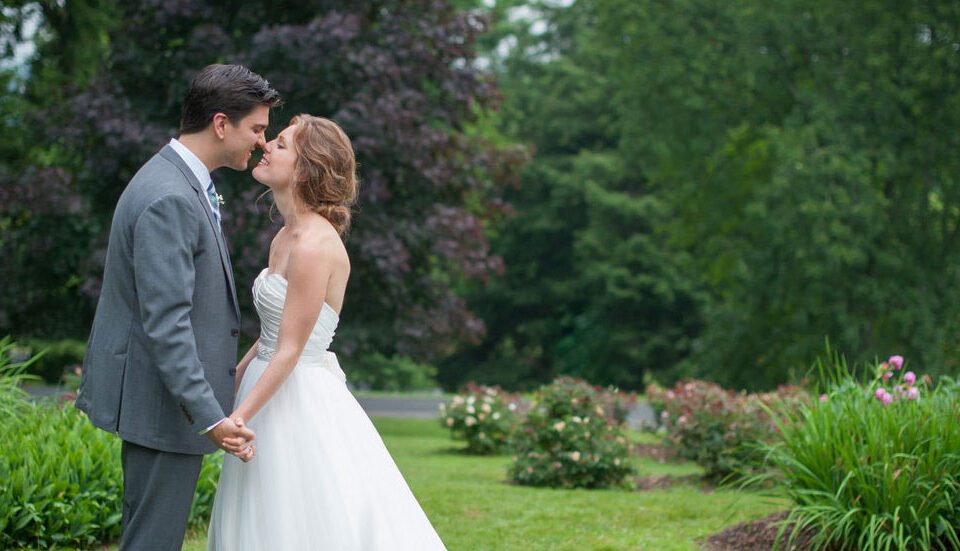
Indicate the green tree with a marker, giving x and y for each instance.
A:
(806, 151)
(590, 288)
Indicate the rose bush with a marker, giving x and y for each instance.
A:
(482, 416)
(720, 429)
(572, 437)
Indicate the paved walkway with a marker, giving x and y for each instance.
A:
(426, 408)
(401, 407)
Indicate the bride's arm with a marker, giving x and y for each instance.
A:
(242, 366)
(308, 272)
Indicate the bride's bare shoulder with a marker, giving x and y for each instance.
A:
(314, 246)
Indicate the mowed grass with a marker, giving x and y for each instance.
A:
(472, 506)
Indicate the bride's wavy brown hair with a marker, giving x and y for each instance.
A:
(325, 173)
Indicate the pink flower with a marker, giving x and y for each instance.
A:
(887, 399)
(887, 375)
(823, 397)
(913, 393)
(909, 377)
(880, 393)
(896, 362)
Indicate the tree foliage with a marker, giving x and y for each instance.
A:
(718, 187)
(590, 289)
(805, 150)
(396, 75)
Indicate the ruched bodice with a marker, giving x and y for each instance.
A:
(269, 293)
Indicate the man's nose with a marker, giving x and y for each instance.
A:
(262, 142)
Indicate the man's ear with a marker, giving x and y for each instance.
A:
(220, 122)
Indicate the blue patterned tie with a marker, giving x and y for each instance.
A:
(214, 203)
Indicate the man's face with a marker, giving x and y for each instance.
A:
(243, 136)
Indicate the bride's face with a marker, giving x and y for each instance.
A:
(276, 169)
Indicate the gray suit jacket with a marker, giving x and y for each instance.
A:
(159, 366)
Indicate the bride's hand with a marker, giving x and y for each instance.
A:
(250, 451)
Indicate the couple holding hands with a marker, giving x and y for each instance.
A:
(305, 469)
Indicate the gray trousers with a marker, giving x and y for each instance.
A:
(158, 490)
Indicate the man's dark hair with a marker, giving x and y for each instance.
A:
(232, 90)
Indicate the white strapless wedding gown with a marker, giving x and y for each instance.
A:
(322, 478)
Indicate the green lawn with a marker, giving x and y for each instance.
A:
(472, 507)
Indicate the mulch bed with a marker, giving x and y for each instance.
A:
(757, 535)
(654, 451)
(663, 454)
(644, 483)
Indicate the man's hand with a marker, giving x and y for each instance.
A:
(233, 437)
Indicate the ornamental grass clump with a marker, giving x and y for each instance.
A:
(875, 464)
(571, 439)
(721, 430)
(483, 417)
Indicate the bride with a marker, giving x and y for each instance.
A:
(322, 478)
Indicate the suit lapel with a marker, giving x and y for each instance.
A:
(171, 155)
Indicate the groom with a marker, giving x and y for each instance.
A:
(159, 367)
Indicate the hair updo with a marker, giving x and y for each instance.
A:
(325, 177)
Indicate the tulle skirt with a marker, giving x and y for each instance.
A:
(322, 478)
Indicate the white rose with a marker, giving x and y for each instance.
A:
(575, 456)
(512, 406)
(486, 408)
(560, 426)
(471, 399)
(470, 421)
(449, 421)
(470, 409)
(576, 419)
(496, 415)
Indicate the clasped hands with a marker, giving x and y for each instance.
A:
(233, 436)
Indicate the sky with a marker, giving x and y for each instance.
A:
(22, 50)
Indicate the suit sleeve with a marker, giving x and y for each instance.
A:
(164, 240)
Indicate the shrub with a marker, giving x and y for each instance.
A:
(616, 404)
(379, 372)
(719, 429)
(482, 416)
(569, 439)
(61, 482)
(202, 505)
(867, 472)
(54, 359)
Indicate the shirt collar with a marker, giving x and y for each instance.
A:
(196, 165)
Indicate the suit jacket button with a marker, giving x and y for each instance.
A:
(233, 371)
(234, 332)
